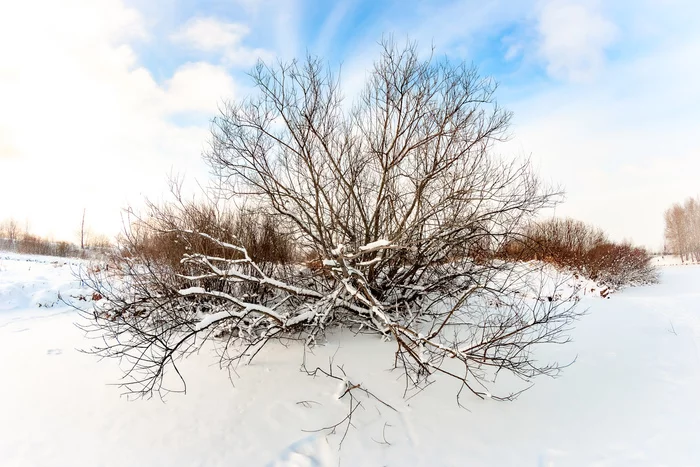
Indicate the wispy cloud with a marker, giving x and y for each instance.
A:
(222, 38)
(331, 24)
(573, 38)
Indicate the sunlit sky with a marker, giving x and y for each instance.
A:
(101, 99)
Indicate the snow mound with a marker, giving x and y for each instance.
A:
(29, 281)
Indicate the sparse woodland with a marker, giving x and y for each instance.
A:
(386, 215)
(683, 229)
(21, 240)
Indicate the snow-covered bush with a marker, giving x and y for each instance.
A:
(397, 199)
(584, 249)
(619, 265)
(155, 235)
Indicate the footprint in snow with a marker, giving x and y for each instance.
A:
(312, 451)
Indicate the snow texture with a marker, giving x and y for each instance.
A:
(379, 244)
(629, 400)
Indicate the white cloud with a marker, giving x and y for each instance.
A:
(624, 148)
(82, 123)
(225, 39)
(573, 38)
(198, 87)
(210, 34)
(88, 125)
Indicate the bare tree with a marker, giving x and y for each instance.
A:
(692, 214)
(82, 231)
(674, 232)
(683, 229)
(10, 230)
(398, 201)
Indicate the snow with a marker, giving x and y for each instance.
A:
(629, 400)
(671, 260)
(379, 244)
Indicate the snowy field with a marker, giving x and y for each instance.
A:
(631, 399)
(671, 260)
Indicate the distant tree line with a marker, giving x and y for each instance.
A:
(19, 239)
(683, 229)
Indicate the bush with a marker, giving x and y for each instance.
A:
(397, 199)
(619, 265)
(561, 241)
(582, 248)
(169, 232)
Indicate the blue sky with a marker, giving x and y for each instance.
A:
(342, 31)
(94, 91)
(501, 37)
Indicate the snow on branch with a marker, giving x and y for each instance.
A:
(387, 219)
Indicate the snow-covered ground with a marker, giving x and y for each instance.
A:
(671, 260)
(631, 398)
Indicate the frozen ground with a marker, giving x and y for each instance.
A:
(631, 399)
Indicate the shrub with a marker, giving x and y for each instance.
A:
(619, 265)
(398, 199)
(582, 248)
(169, 232)
(31, 244)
